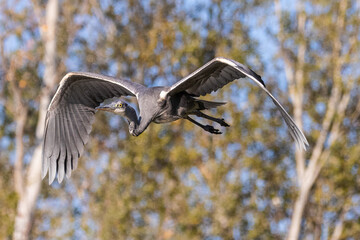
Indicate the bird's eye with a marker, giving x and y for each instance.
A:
(119, 105)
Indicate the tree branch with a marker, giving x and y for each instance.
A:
(314, 167)
(335, 94)
(295, 76)
(27, 202)
(340, 223)
(19, 111)
(298, 87)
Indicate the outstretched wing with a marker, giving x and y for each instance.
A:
(221, 71)
(70, 115)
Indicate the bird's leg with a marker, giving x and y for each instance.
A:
(207, 128)
(218, 120)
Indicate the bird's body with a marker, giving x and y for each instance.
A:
(80, 95)
(175, 108)
(178, 106)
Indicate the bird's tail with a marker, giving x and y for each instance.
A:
(202, 104)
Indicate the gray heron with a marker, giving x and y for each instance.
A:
(80, 95)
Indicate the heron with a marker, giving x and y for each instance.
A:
(80, 95)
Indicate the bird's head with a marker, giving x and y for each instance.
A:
(113, 105)
(117, 106)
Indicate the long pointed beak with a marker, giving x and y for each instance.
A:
(103, 108)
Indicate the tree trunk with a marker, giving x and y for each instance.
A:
(27, 200)
(294, 70)
(297, 214)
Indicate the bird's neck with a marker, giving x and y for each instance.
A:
(132, 117)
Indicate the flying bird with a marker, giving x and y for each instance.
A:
(80, 95)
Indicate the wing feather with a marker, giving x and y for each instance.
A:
(70, 116)
(63, 151)
(69, 147)
(75, 134)
(66, 147)
(55, 153)
(73, 141)
(49, 138)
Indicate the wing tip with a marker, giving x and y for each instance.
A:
(302, 145)
(301, 141)
(60, 176)
(306, 145)
(44, 168)
(43, 173)
(51, 178)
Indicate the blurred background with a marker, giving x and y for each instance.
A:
(176, 181)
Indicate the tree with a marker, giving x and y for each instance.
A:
(336, 50)
(28, 187)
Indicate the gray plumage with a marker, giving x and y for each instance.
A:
(71, 112)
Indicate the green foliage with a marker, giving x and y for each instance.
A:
(8, 200)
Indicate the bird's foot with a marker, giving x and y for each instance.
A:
(223, 123)
(212, 130)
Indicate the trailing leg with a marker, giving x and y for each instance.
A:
(207, 128)
(218, 120)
